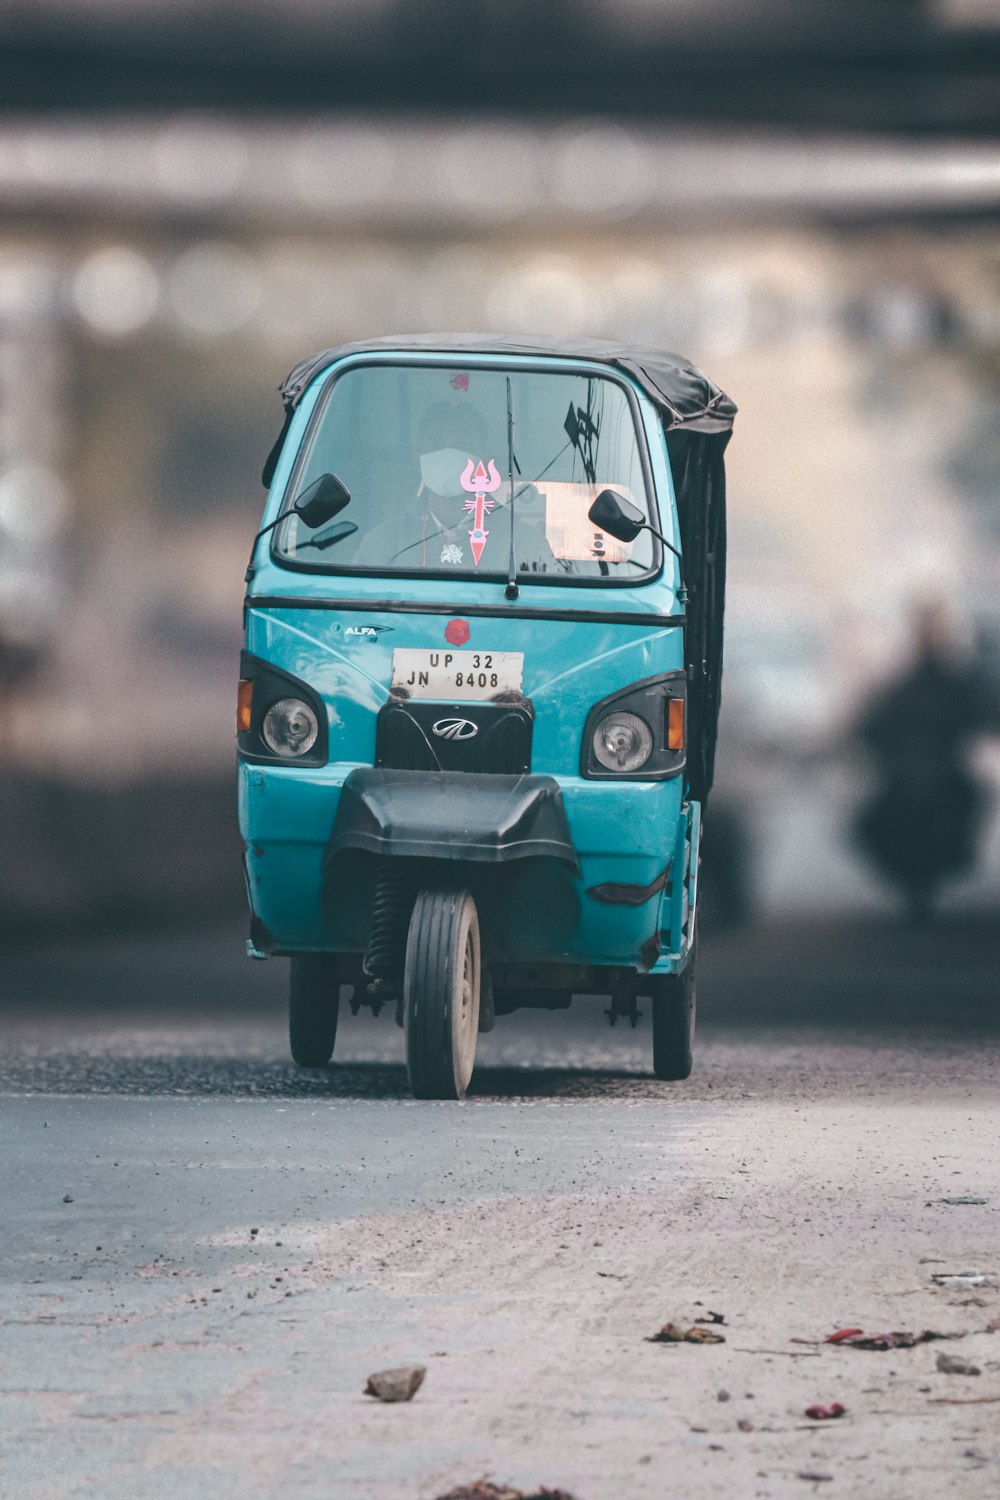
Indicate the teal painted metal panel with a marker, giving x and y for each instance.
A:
(625, 832)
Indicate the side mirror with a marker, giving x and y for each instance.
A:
(617, 516)
(317, 504)
(324, 499)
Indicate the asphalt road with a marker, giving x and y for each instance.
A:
(207, 1251)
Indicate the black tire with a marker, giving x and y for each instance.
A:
(441, 990)
(674, 1006)
(313, 1008)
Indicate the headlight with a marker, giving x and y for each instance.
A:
(623, 742)
(290, 728)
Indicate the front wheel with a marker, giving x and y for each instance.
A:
(674, 1005)
(313, 1007)
(441, 986)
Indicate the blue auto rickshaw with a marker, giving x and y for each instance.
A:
(479, 695)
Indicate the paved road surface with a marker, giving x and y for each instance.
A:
(244, 1243)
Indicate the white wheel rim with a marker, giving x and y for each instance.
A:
(465, 1008)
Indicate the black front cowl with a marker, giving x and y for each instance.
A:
(486, 819)
(483, 738)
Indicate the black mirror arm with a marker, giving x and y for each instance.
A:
(263, 532)
(271, 525)
(682, 592)
(681, 589)
(660, 537)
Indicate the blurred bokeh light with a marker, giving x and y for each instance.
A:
(822, 240)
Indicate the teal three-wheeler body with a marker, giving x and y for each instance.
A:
(480, 688)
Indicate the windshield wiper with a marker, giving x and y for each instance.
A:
(512, 590)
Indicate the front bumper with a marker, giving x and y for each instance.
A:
(620, 907)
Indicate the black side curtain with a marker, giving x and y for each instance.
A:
(696, 460)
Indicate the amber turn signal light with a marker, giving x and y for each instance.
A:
(675, 724)
(244, 703)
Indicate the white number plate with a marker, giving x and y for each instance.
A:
(457, 674)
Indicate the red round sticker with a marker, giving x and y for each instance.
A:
(457, 632)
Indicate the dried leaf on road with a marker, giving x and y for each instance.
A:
(855, 1338)
(826, 1413)
(396, 1385)
(484, 1489)
(673, 1333)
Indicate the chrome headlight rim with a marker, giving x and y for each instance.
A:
(290, 728)
(622, 742)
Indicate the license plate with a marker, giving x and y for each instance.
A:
(457, 674)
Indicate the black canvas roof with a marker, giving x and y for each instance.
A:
(685, 397)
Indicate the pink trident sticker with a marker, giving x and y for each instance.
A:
(481, 485)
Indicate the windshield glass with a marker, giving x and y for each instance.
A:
(424, 453)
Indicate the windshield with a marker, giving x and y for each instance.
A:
(424, 453)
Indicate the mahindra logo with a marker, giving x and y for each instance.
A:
(455, 729)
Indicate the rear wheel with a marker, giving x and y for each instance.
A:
(674, 1005)
(441, 987)
(313, 1007)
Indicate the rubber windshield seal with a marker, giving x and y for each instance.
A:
(487, 611)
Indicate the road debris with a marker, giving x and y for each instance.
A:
(856, 1338)
(950, 1364)
(788, 1353)
(961, 1278)
(483, 1489)
(67, 1197)
(673, 1333)
(962, 1400)
(722, 1396)
(396, 1385)
(826, 1413)
(745, 1424)
(817, 1478)
(963, 1198)
(712, 1317)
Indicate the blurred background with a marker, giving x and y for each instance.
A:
(804, 199)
